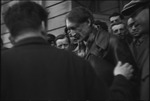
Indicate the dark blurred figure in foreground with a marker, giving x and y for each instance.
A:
(138, 10)
(33, 70)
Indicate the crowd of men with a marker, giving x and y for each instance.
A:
(88, 61)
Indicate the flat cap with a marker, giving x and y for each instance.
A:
(132, 6)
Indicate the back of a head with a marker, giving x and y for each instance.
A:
(61, 36)
(101, 24)
(24, 16)
(80, 15)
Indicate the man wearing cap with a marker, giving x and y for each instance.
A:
(139, 11)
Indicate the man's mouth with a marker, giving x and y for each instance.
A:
(135, 33)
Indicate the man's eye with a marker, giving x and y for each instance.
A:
(71, 35)
(130, 25)
(121, 29)
(65, 45)
(115, 31)
(136, 25)
(116, 20)
(72, 28)
(59, 46)
(68, 31)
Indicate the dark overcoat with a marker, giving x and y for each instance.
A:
(34, 70)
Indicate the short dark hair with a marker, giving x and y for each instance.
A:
(62, 36)
(116, 14)
(23, 16)
(118, 23)
(80, 15)
(101, 24)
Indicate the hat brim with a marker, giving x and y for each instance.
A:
(129, 10)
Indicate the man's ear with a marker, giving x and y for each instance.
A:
(43, 26)
(89, 22)
(11, 38)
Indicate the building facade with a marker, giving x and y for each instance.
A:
(58, 9)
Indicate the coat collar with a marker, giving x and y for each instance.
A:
(31, 40)
(140, 40)
(102, 39)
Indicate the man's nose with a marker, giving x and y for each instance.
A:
(133, 28)
(62, 47)
(119, 32)
(115, 21)
(72, 33)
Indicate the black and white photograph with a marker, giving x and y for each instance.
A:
(74, 50)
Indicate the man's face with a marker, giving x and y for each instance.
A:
(74, 37)
(141, 17)
(134, 31)
(119, 30)
(62, 43)
(115, 19)
(81, 29)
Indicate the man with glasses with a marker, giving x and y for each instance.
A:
(138, 10)
(103, 49)
(133, 30)
(76, 46)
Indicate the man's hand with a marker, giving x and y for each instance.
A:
(123, 69)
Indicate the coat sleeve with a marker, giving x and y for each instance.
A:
(95, 86)
(121, 89)
(97, 90)
(122, 52)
